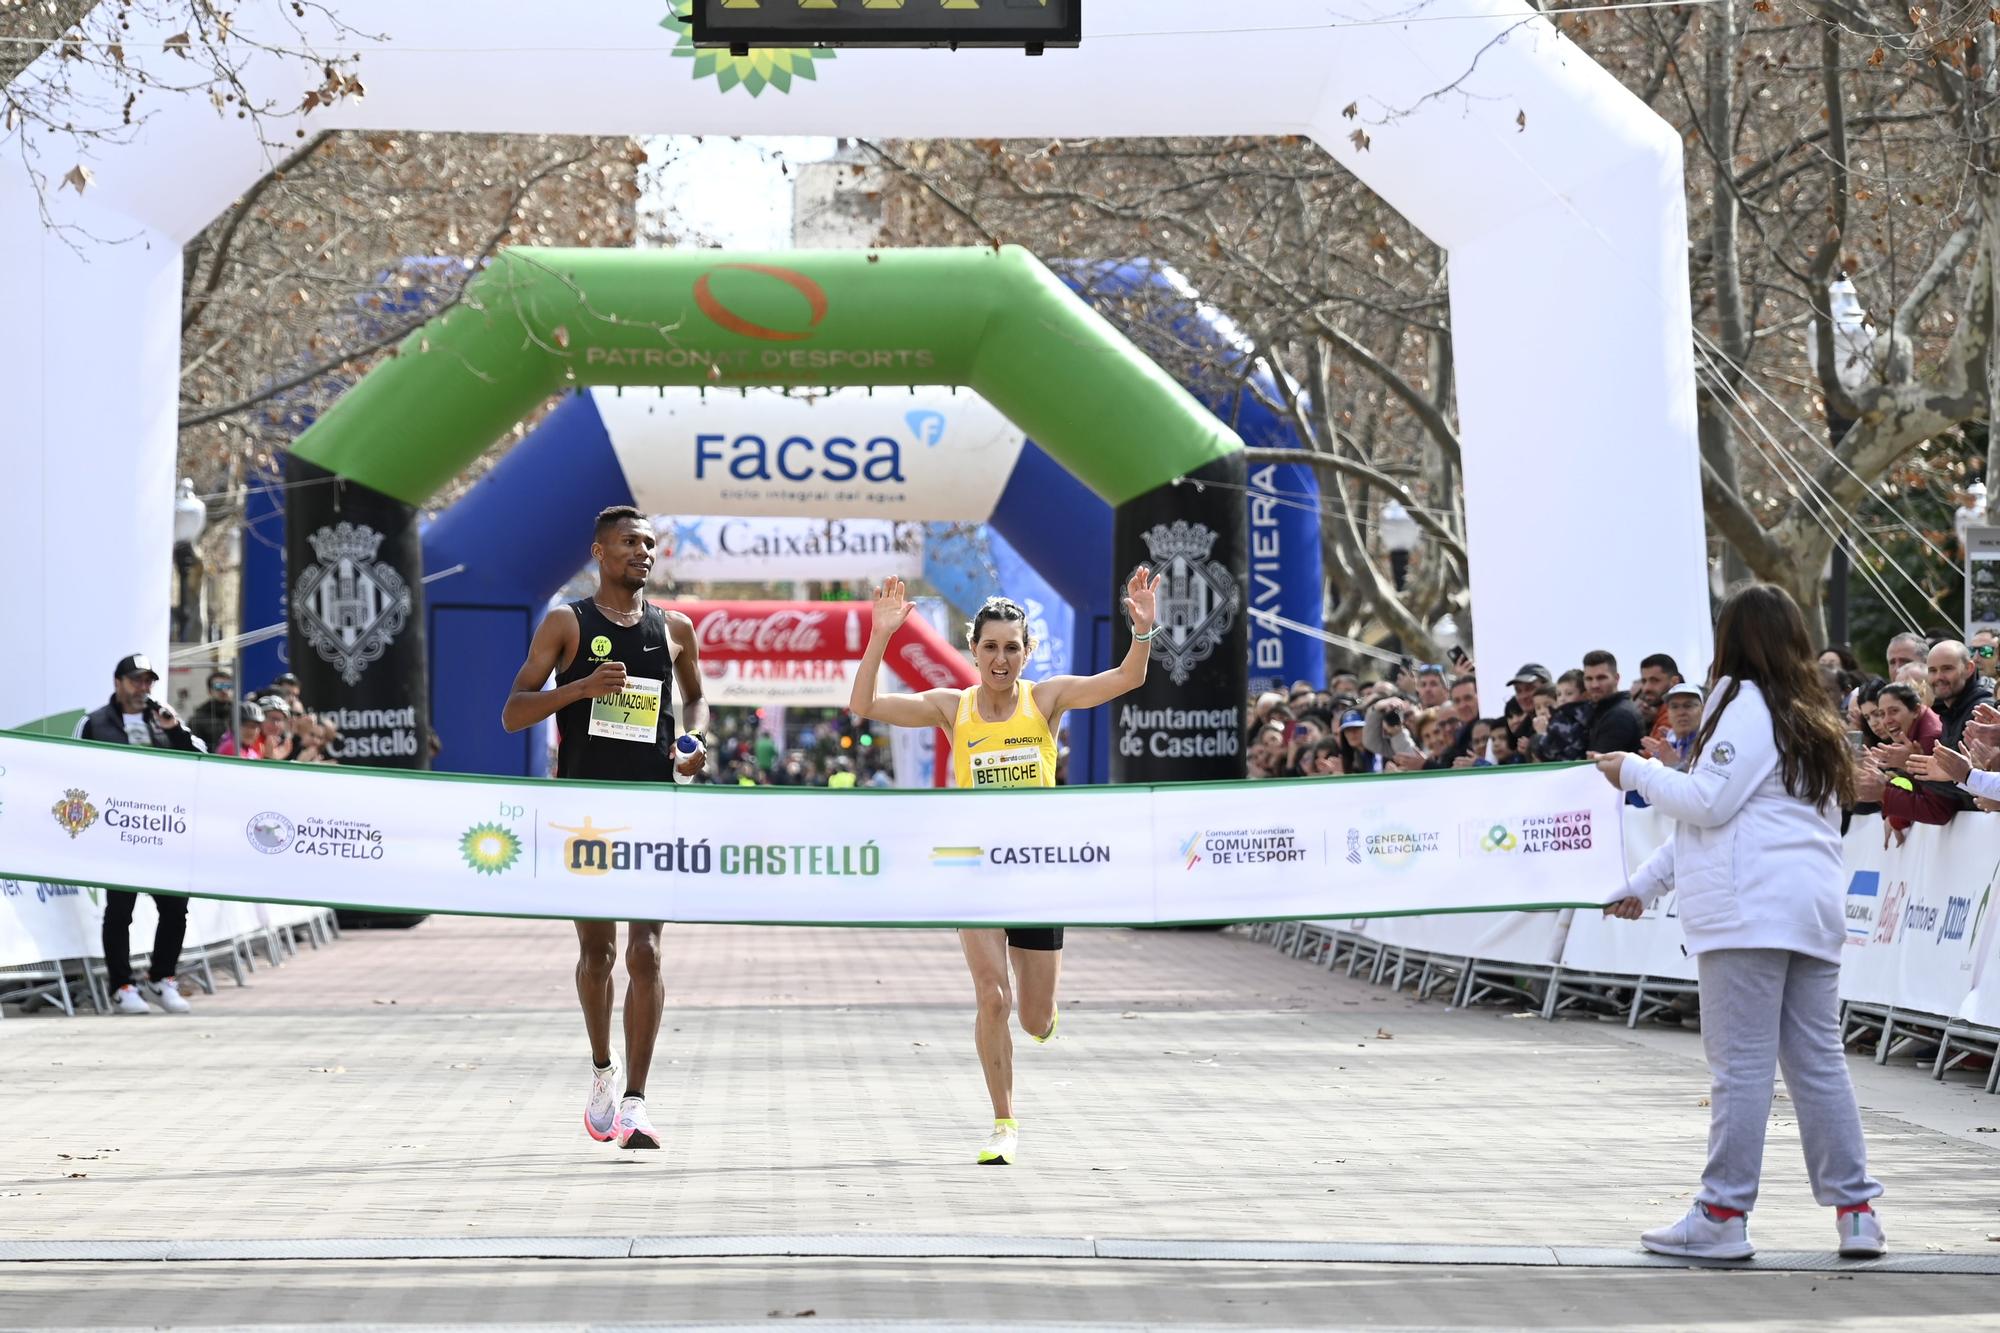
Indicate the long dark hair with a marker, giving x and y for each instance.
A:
(1760, 637)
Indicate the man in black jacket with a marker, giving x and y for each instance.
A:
(1614, 723)
(134, 717)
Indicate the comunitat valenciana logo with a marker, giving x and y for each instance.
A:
(141, 823)
(1279, 845)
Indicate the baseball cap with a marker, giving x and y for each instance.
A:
(286, 678)
(1352, 719)
(1531, 672)
(1685, 690)
(135, 664)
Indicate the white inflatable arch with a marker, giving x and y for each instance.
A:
(1566, 238)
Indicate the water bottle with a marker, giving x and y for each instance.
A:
(685, 746)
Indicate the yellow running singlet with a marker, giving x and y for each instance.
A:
(1020, 752)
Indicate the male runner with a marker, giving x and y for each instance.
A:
(615, 643)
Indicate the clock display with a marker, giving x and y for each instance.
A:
(1026, 23)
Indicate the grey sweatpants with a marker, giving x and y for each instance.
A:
(1764, 1010)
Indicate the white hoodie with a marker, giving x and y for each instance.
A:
(1757, 868)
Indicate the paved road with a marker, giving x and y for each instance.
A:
(427, 1085)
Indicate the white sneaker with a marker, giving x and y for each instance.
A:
(600, 1113)
(168, 993)
(632, 1127)
(1861, 1236)
(1700, 1236)
(1003, 1146)
(127, 1000)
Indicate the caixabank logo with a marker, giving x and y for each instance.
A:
(1864, 895)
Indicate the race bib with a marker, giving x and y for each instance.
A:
(1007, 768)
(631, 714)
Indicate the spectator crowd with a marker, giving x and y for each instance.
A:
(1925, 735)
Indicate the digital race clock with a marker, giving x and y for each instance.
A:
(1032, 24)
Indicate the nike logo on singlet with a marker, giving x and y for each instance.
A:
(650, 648)
(973, 745)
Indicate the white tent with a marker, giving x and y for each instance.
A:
(1565, 229)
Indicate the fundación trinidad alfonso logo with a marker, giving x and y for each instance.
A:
(762, 68)
(74, 811)
(490, 849)
(1498, 839)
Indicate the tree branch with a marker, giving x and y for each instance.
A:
(374, 345)
(244, 206)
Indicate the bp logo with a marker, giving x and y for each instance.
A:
(761, 69)
(74, 811)
(1198, 597)
(1498, 839)
(490, 849)
(600, 646)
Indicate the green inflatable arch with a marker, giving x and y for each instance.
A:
(540, 320)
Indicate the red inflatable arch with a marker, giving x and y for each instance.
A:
(828, 632)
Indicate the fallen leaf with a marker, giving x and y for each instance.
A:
(1986, 1129)
(1702, 1102)
(1211, 1060)
(919, 1043)
(323, 1069)
(465, 1066)
(1128, 1015)
(78, 1175)
(1383, 1034)
(561, 335)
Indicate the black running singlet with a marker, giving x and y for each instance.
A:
(626, 737)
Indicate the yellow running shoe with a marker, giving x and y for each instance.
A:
(1054, 1023)
(1003, 1147)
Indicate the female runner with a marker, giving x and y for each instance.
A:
(1004, 736)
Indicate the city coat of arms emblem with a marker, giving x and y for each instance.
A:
(74, 811)
(1198, 598)
(350, 605)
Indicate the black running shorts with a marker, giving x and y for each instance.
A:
(1042, 939)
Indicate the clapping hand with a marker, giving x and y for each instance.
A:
(1867, 780)
(1942, 764)
(1663, 751)
(1893, 754)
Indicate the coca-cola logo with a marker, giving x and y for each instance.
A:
(935, 674)
(774, 632)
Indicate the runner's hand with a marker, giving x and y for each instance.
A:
(1141, 601)
(692, 765)
(892, 606)
(609, 678)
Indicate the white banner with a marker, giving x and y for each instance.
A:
(1481, 841)
(927, 454)
(777, 550)
(1649, 947)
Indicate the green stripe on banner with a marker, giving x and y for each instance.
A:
(1517, 839)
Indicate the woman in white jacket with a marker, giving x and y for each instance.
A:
(1756, 858)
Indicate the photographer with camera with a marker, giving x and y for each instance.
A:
(1386, 734)
(134, 717)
